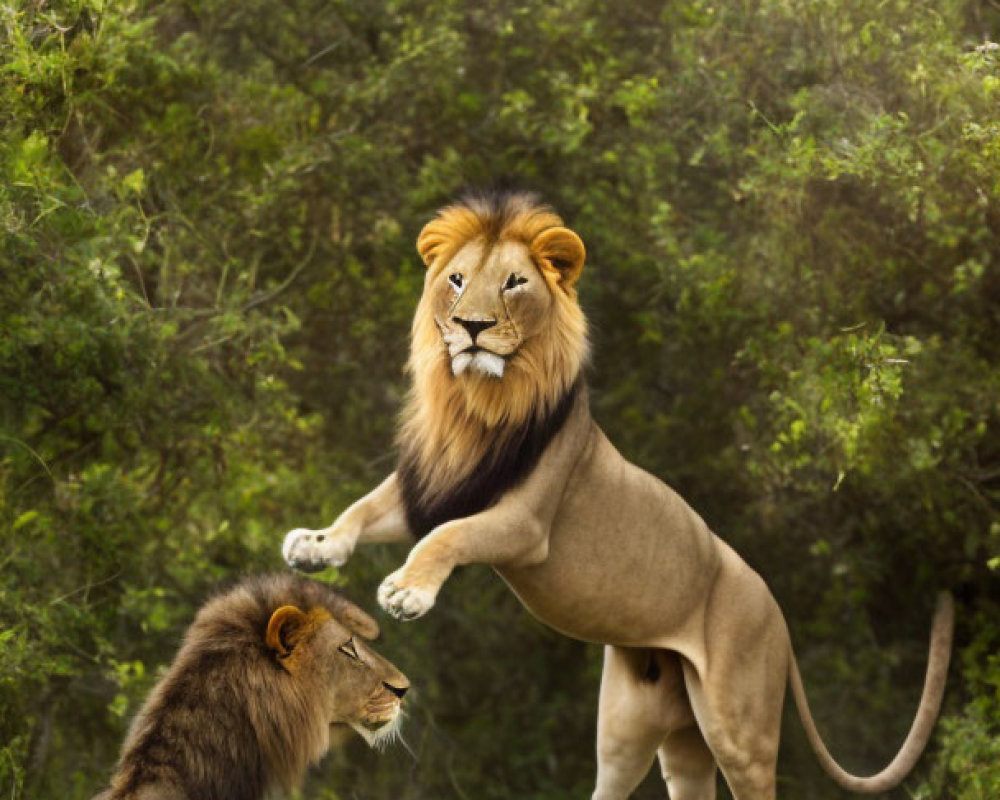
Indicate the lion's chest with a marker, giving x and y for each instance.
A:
(500, 469)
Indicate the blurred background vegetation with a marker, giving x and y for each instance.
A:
(208, 208)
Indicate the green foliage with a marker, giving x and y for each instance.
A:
(969, 765)
(206, 280)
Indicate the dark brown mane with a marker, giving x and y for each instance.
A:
(498, 209)
(197, 737)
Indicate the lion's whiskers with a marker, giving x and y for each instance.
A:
(382, 737)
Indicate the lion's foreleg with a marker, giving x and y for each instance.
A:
(497, 536)
(379, 516)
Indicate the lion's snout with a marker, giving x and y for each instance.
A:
(474, 326)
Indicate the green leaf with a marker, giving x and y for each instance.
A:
(24, 519)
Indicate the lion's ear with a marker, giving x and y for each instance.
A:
(561, 250)
(285, 629)
(432, 238)
(345, 612)
(452, 227)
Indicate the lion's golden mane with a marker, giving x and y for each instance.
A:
(450, 425)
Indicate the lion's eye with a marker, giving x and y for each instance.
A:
(347, 648)
(513, 281)
(455, 279)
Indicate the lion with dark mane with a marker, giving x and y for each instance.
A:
(501, 463)
(264, 672)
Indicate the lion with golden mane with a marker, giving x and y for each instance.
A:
(501, 463)
(265, 673)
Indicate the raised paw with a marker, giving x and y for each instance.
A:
(311, 551)
(404, 602)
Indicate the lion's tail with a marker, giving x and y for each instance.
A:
(930, 703)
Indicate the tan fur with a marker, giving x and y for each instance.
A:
(698, 655)
(251, 697)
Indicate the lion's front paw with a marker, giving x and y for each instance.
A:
(311, 551)
(403, 599)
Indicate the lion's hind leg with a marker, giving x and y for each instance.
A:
(738, 686)
(643, 702)
(688, 765)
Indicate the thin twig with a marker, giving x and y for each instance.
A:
(325, 51)
(13, 775)
(85, 588)
(30, 450)
(267, 298)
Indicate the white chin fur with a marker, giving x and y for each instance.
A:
(488, 364)
(381, 737)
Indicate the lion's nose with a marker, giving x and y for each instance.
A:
(475, 326)
(399, 691)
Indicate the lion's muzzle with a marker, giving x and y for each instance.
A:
(474, 326)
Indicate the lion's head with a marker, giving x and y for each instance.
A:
(498, 338)
(326, 655)
(266, 672)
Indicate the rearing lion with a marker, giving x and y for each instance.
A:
(501, 463)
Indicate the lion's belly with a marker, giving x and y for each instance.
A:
(629, 561)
